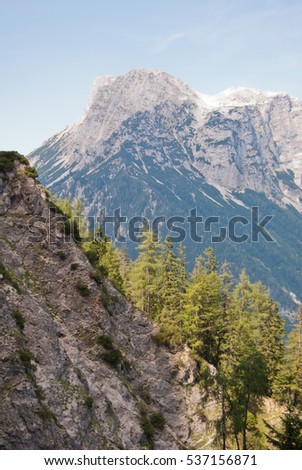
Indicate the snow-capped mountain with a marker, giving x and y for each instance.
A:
(149, 144)
(238, 139)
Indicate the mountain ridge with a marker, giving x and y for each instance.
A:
(115, 99)
(149, 145)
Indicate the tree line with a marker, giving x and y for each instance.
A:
(233, 325)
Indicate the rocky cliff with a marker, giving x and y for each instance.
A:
(80, 368)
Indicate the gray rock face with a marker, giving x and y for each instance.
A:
(147, 121)
(57, 391)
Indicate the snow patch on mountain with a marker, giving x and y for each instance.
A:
(238, 139)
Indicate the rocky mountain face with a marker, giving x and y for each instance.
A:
(80, 367)
(150, 145)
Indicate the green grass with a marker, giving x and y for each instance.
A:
(148, 429)
(31, 172)
(158, 420)
(9, 278)
(19, 319)
(46, 415)
(105, 341)
(88, 401)
(26, 359)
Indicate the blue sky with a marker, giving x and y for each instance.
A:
(51, 51)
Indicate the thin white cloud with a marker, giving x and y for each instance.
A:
(162, 43)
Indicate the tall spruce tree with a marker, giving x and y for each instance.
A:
(204, 324)
(252, 350)
(288, 390)
(173, 282)
(144, 275)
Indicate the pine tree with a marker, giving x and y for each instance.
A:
(173, 281)
(111, 262)
(204, 319)
(288, 389)
(252, 351)
(105, 258)
(78, 215)
(289, 437)
(288, 385)
(144, 276)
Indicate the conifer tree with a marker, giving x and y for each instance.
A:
(289, 437)
(204, 322)
(173, 281)
(144, 275)
(251, 354)
(78, 214)
(105, 258)
(288, 385)
(288, 390)
(111, 263)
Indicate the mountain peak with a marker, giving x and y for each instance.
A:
(144, 82)
(115, 99)
(240, 96)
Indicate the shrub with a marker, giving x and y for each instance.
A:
(45, 414)
(147, 426)
(55, 208)
(92, 256)
(7, 159)
(74, 266)
(88, 401)
(162, 338)
(113, 357)
(105, 341)
(23, 160)
(106, 298)
(20, 320)
(83, 289)
(26, 357)
(148, 429)
(31, 172)
(62, 255)
(158, 420)
(71, 228)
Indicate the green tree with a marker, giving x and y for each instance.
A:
(173, 283)
(105, 258)
(144, 275)
(288, 384)
(288, 390)
(111, 262)
(251, 354)
(204, 323)
(289, 437)
(78, 214)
